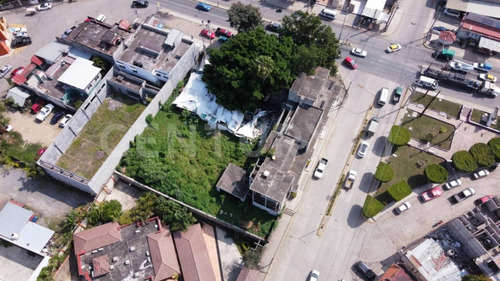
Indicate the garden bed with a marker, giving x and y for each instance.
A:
(429, 130)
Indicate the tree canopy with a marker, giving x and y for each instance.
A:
(399, 135)
(316, 43)
(248, 68)
(471, 277)
(173, 214)
(244, 17)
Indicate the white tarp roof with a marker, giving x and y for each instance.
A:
(18, 95)
(79, 74)
(489, 44)
(196, 98)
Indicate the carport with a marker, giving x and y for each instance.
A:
(18, 95)
(492, 45)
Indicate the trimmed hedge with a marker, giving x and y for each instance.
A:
(399, 135)
(399, 190)
(483, 154)
(372, 207)
(436, 173)
(384, 172)
(494, 143)
(464, 161)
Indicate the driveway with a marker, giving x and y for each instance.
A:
(32, 130)
(46, 197)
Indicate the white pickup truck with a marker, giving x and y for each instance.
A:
(320, 169)
(351, 177)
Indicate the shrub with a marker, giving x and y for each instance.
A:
(494, 143)
(464, 161)
(483, 154)
(399, 135)
(399, 190)
(372, 207)
(384, 172)
(436, 173)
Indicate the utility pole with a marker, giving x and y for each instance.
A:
(342, 28)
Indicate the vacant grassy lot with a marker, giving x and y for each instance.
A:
(100, 135)
(409, 166)
(451, 108)
(14, 146)
(476, 117)
(428, 129)
(180, 156)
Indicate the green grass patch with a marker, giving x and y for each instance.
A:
(14, 146)
(409, 165)
(399, 190)
(427, 129)
(476, 117)
(100, 135)
(180, 156)
(451, 108)
(372, 207)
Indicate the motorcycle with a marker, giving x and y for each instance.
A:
(438, 223)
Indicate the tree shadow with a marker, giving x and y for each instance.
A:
(380, 143)
(354, 219)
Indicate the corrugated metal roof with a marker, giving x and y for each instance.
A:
(12, 219)
(52, 51)
(34, 237)
(479, 7)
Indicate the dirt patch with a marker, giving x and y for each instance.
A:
(31, 130)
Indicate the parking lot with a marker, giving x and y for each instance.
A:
(32, 130)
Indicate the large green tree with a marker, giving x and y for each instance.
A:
(244, 17)
(316, 42)
(249, 68)
(173, 214)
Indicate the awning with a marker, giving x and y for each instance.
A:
(18, 95)
(489, 44)
(21, 78)
(36, 60)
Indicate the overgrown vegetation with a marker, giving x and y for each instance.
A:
(429, 130)
(181, 158)
(399, 190)
(108, 211)
(399, 135)
(384, 172)
(483, 154)
(100, 135)
(436, 173)
(464, 161)
(372, 207)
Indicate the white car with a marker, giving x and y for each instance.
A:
(451, 13)
(44, 7)
(406, 205)
(358, 52)
(65, 120)
(481, 174)
(487, 77)
(313, 275)
(44, 112)
(5, 69)
(393, 48)
(452, 184)
(363, 147)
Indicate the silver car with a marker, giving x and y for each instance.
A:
(5, 69)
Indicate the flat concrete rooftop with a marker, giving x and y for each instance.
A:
(304, 121)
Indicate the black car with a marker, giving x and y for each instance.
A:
(367, 272)
(140, 4)
(21, 41)
(57, 116)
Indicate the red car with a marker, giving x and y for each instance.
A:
(350, 62)
(208, 34)
(484, 199)
(16, 71)
(223, 32)
(36, 107)
(432, 193)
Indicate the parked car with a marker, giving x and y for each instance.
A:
(484, 199)
(484, 67)
(223, 32)
(393, 48)
(20, 41)
(44, 112)
(363, 148)
(431, 194)
(140, 4)
(452, 184)
(439, 28)
(406, 205)
(487, 77)
(203, 7)
(481, 174)
(207, 33)
(44, 7)
(464, 194)
(274, 26)
(21, 34)
(36, 107)
(65, 120)
(396, 96)
(313, 275)
(57, 116)
(68, 32)
(358, 52)
(320, 169)
(460, 67)
(17, 71)
(5, 69)
(365, 270)
(101, 18)
(350, 62)
(451, 13)
(445, 54)
(223, 39)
